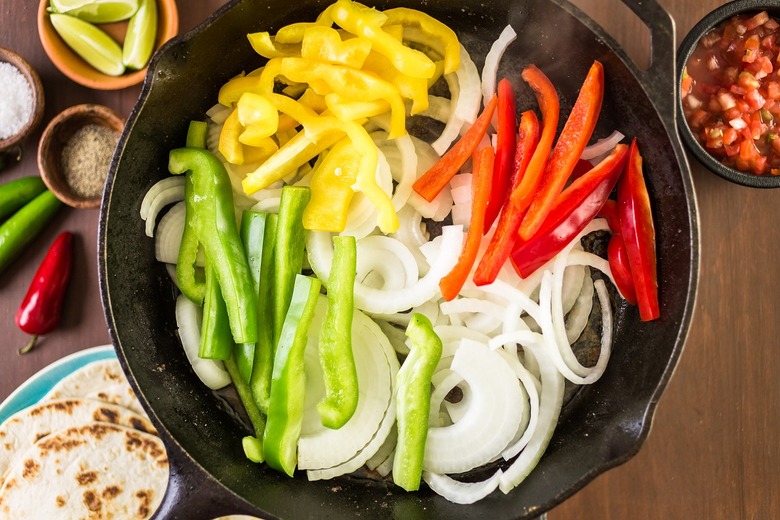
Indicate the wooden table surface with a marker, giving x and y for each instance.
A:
(714, 450)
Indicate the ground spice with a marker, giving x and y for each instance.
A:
(86, 158)
(16, 100)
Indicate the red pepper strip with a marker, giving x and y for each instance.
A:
(572, 141)
(636, 221)
(436, 178)
(504, 237)
(576, 206)
(616, 253)
(581, 168)
(41, 307)
(451, 284)
(505, 152)
(547, 98)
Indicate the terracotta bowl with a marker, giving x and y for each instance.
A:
(37, 91)
(56, 136)
(74, 67)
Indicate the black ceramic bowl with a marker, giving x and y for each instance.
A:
(688, 45)
(603, 427)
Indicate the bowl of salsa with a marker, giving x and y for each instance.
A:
(729, 98)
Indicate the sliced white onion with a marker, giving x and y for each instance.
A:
(219, 113)
(602, 146)
(411, 233)
(210, 371)
(388, 257)
(174, 181)
(396, 336)
(461, 492)
(453, 124)
(469, 97)
(577, 319)
(169, 233)
(737, 123)
(385, 450)
(461, 215)
(490, 422)
(490, 70)
(439, 109)
(461, 194)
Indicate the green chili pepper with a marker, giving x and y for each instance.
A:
(289, 250)
(414, 401)
(211, 222)
(17, 193)
(25, 224)
(262, 366)
(336, 359)
(216, 342)
(288, 386)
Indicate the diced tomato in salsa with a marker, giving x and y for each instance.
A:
(730, 90)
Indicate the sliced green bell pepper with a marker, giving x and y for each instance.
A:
(414, 401)
(216, 342)
(288, 386)
(336, 359)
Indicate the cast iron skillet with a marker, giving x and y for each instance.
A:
(605, 426)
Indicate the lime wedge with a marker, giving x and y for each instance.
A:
(96, 47)
(141, 35)
(96, 11)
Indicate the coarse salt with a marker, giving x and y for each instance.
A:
(16, 100)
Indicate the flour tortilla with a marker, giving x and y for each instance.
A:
(93, 472)
(23, 429)
(100, 380)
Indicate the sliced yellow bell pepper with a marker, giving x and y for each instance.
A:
(229, 146)
(331, 189)
(312, 100)
(367, 22)
(264, 45)
(432, 27)
(232, 91)
(259, 152)
(415, 89)
(293, 33)
(350, 110)
(325, 44)
(258, 112)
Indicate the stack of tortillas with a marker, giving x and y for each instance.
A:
(86, 450)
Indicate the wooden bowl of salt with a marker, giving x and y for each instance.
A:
(21, 99)
(75, 151)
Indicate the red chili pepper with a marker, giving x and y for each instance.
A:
(506, 141)
(504, 237)
(550, 106)
(451, 284)
(41, 308)
(636, 221)
(436, 178)
(616, 253)
(576, 206)
(572, 141)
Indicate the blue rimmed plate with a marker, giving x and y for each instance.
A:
(32, 390)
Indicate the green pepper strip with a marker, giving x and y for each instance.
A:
(336, 359)
(288, 387)
(216, 342)
(211, 222)
(289, 250)
(196, 134)
(414, 401)
(262, 367)
(253, 445)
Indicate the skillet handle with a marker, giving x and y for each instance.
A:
(660, 77)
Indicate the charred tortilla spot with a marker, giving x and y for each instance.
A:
(61, 501)
(162, 462)
(145, 499)
(134, 441)
(92, 501)
(140, 424)
(106, 415)
(56, 445)
(40, 436)
(86, 477)
(31, 469)
(11, 483)
(111, 492)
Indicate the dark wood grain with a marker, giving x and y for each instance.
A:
(714, 450)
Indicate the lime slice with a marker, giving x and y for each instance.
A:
(96, 11)
(96, 47)
(141, 35)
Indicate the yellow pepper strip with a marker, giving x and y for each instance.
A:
(314, 101)
(258, 112)
(325, 44)
(367, 22)
(387, 218)
(232, 91)
(295, 90)
(291, 156)
(394, 30)
(265, 46)
(355, 110)
(286, 124)
(331, 189)
(415, 89)
(258, 153)
(229, 146)
(294, 32)
(348, 82)
(431, 26)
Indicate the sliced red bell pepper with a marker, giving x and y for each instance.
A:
(609, 211)
(616, 253)
(504, 237)
(576, 206)
(436, 178)
(550, 106)
(581, 168)
(568, 149)
(636, 221)
(451, 284)
(506, 137)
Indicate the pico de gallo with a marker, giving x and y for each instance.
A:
(731, 93)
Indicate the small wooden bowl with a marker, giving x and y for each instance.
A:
(56, 136)
(37, 91)
(74, 67)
